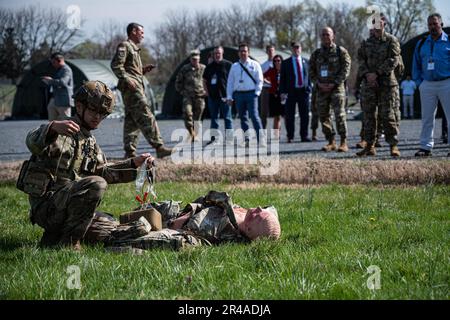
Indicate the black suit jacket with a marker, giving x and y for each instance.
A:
(287, 76)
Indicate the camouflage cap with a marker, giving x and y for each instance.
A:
(195, 54)
(97, 96)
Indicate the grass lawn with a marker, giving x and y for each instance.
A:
(330, 236)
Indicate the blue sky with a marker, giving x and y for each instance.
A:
(150, 12)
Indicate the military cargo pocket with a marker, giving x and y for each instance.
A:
(33, 179)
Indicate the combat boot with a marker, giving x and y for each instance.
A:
(343, 147)
(377, 143)
(361, 145)
(163, 151)
(314, 135)
(331, 146)
(192, 134)
(394, 151)
(49, 239)
(369, 150)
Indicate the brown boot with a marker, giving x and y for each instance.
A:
(369, 150)
(361, 145)
(163, 151)
(71, 243)
(377, 143)
(394, 151)
(192, 134)
(343, 147)
(314, 135)
(331, 146)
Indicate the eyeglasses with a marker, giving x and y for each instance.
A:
(95, 113)
(276, 60)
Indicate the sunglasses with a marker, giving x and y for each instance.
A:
(276, 60)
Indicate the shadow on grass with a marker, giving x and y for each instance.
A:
(14, 243)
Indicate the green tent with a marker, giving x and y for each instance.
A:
(32, 95)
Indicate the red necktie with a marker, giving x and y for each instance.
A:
(299, 74)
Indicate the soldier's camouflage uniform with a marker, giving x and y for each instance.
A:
(127, 66)
(314, 110)
(80, 174)
(380, 56)
(208, 220)
(189, 84)
(337, 64)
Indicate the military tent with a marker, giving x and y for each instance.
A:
(32, 95)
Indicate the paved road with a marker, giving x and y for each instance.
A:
(109, 136)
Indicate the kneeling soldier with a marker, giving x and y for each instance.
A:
(67, 173)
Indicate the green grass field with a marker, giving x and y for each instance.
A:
(330, 236)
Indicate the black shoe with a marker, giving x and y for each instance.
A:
(306, 140)
(289, 140)
(423, 153)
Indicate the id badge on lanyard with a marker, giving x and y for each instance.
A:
(324, 71)
(430, 66)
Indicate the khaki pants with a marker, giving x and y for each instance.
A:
(57, 113)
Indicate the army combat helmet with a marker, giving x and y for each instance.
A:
(96, 96)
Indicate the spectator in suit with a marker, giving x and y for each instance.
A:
(295, 88)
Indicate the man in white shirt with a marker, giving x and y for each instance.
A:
(264, 107)
(244, 86)
(408, 87)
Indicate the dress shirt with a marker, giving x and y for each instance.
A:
(239, 80)
(302, 68)
(437, 52)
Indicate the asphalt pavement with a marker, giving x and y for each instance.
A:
(110, 135)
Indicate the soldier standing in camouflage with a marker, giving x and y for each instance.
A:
(127, 66)
(329, 68)
(189, 84)
(67, 173)
(378, 58)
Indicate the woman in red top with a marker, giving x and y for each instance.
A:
(276, 109)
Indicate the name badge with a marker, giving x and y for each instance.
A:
(214, 80)
(324, 71)
(430, 66)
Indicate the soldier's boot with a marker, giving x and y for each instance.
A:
(314, 135)
(394, 151)
(369, 150)
(129, 154)
(70, 242)
(331, 146)
(343, 147)
(163, 151)
(49, 239)
(193, 135)
(377, 142)
(361, 145)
